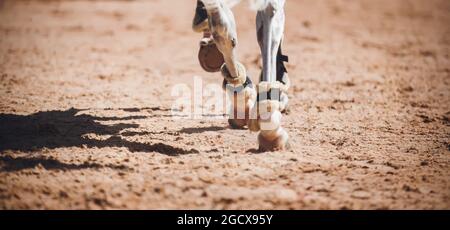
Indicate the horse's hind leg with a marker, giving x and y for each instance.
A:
(239, 87)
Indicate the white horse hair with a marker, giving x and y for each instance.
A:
(256, 5)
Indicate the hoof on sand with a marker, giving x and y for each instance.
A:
(277, 142)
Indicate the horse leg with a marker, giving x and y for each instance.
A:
(271, 100)
(239, 87)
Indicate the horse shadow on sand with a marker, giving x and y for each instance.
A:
(68, 128)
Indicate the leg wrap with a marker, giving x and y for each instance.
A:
(243, 95)
(268, 117)
(238, 80)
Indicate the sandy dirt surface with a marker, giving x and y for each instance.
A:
(85, 99)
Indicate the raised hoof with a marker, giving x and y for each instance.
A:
(209, 56)
(237, 123)
(278, 143)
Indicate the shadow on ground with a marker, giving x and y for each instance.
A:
(59, 129)
(12, 164)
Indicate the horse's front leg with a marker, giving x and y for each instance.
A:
(272, 97)
(239, 87)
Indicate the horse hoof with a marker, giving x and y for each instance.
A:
(278, 142)
(209, 56)
(237, 123)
